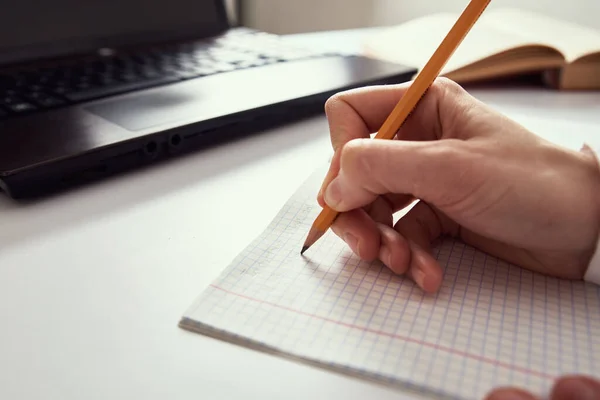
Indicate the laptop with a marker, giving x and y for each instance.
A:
(89, 89)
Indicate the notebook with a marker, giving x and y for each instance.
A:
(504, 42)
(491, 323)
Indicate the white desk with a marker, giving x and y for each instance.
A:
(93, 282)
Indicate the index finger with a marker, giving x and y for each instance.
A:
(355, 114)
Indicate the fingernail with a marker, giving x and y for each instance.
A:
(333, 195)
(419, 277)
(352, 241)
(386, 256)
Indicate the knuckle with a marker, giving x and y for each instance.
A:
(439, 157)
(340, 99)
(451, 103)
(460, 168)
(355, 159)
(444, 85)
(332, 103)
(449, 157)
(336, 102)
(446, 91)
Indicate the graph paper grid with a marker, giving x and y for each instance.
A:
(491, 324)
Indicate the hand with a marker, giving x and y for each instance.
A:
(566, 388)
(477, 175)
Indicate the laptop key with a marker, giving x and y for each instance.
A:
(45, 100)
(54, 86)
(21, 107)
(98, 92)
(8, 99)
(61, 90)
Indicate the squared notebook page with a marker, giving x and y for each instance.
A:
(491, 324)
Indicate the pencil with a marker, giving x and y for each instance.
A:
(409, 100)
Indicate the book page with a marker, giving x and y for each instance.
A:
(491, 324)
(572, 40)
(412, 43)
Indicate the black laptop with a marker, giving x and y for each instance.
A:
(92, 88)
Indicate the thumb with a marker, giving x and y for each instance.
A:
(434, 171)
(576, 387)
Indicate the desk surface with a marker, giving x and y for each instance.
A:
(93, 282)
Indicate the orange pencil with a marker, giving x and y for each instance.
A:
(407, 103)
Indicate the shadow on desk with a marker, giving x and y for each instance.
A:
(24, 220)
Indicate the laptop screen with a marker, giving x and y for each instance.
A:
(33, 28)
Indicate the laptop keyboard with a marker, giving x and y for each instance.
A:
(30, 91)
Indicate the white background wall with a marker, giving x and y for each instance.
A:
(294, 16)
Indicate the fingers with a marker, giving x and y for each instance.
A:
(397, 202)
(359, 228)
(333, 170)
(349, 119)
(371, 241)
(576, 388)
(420, 227)
(360, 232)
(395, 252)
(357, 113)
(565, 388)
(439, 172)
(404, 249)
(510, 394)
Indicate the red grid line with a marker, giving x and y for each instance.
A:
(435, 346)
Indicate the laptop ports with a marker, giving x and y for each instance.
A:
(151, 149)
(174, 142)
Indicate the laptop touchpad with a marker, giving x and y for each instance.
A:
(208, 97)
(152, 109)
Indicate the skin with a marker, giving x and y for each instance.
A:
(475, 175)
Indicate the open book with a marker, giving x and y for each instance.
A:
(504, 42)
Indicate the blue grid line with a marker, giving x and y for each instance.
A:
(265, 236)
(253, 245)
(464, 361)
(398, 290)
(344, 265)
(298, 273)
(343, 341)
(589, 330)
(387, 313)
(395, 330)
(409, 334)
(487, 322)
(498, 347)
(376, 290)
(575, 338)
(560, 350)
(530, 338)
(516, 330)
(445, 317)
(545, 352)
(383, 292)
(315, 336)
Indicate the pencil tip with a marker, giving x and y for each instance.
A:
(304, 248)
